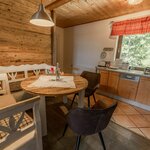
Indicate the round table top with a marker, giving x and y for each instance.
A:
(80, 83)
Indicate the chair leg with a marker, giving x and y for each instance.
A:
(89, 102)
(78, 142)
(94, 98)
(102, 140)
(73, 99)
(65, 129)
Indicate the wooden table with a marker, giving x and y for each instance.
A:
(80, 83)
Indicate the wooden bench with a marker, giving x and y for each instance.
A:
(18, 131)
(16, 74)
(13, 119)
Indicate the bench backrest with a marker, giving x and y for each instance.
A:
(19, 73)
(4, 84)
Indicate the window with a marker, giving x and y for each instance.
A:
(135, 49)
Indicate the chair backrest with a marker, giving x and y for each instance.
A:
(92, 78)
(16, 127)
(90, 121)
(4, 84)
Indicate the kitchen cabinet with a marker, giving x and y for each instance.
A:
(104, 79)
(127, 88)
(113, 80)
(143, 92)
(126, 85)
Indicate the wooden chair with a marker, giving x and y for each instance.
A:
(18, 131)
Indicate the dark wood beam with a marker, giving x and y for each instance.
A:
(56, 4)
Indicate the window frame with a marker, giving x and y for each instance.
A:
(118, 52)
(119, 45)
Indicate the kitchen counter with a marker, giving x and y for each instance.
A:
(130, 86)
(133, 72)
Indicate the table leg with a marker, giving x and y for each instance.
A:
(43, 115)
(81, 99)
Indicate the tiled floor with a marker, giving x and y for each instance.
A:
(115, 136)
(133, 118)
(130, 117)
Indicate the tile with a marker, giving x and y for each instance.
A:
(147, 117)
(112, 119)
(146, 132)
(123, 120)
(122, 103)
(106, 101)
(118, 111)
(127, 109)
(136, 130)
(142, 111)
(139, 121)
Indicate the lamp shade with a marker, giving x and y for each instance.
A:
(134, 2)
(41, 18)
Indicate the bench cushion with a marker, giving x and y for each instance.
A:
(6, 100)
(27, 120)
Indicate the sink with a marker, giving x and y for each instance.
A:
(136, 72)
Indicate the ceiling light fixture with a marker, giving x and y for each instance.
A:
(41, 17)
(134, 2)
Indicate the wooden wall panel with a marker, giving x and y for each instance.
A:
(20, 41)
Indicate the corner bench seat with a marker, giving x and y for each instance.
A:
(6, 100)
(13, 75)
(18, 131)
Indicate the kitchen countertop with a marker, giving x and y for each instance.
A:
(134, 72)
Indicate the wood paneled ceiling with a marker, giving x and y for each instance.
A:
(76, 12)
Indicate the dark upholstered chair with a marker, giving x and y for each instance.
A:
(89, 121)
(93, 83)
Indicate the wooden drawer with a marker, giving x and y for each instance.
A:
(104, 78)
(113, 82)
(127, 89)
(143, 93)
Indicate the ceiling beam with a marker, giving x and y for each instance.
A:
(56, 4)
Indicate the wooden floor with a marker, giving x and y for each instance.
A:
(115, 136)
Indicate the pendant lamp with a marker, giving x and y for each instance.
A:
(41, 17)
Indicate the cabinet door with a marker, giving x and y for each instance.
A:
(127, 88)
(143, 93)
(103, 79)
(113, 82)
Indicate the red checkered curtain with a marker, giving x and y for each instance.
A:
(134, 26)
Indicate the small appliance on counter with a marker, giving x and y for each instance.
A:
(125, 66)
(101, 64)
(105, 57)
(116, 64)
(147, 71)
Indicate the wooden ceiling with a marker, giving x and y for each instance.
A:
(75, 12)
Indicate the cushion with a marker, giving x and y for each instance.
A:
(6, 100)
(27, 120)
